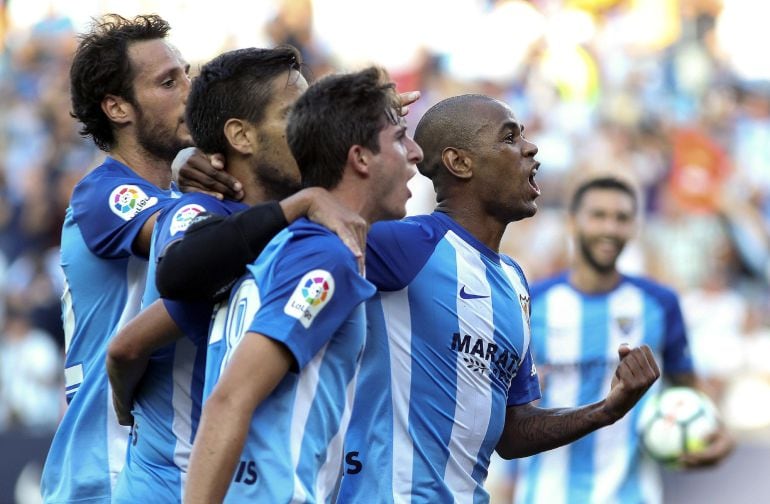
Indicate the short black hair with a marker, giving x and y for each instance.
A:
(336, 113)
(235, 84)
(601, 182)
(101, 67)
(449, 123)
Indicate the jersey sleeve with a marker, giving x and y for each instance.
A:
(677, 358)
(174, 220)
(525, 386)
(311, 289)
(396, 251)
(111, 211)
(193, 318)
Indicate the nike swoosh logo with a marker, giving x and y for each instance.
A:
(465, 295)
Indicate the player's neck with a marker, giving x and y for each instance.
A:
(484, 227)
(151, 168)
(587, 279)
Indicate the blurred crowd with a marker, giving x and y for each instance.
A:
(651, 87)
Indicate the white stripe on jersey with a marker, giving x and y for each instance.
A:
(303, 401)
(473, 403)
(612, 465)
(562, 345)
(398, 321)
(515, 279)
(181, 425)
(117, 435)
(330, 472)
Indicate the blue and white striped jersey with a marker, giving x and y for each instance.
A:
(167, 405)
(447, 352)
(575, 344)
(304, 290)
(105, 282)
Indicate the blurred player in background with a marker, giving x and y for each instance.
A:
(578, 319)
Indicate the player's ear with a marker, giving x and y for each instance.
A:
(359, 158)
(117, 109)
(457, 162)
(241, 136)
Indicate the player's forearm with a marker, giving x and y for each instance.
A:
(125, 375)
(529, 430)
(218, 444)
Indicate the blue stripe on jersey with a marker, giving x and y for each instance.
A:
(374, 428)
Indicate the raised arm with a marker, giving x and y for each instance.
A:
(529, 430)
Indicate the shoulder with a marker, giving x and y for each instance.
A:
(546, 284)
(115, 187)
(180, 214)
(422, 228)
(660, 292)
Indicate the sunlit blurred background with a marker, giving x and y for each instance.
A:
(676, 92)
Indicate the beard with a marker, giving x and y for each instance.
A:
(160, 141)
(585, 250)
(275, 182)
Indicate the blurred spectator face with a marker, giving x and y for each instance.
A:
(161, 86)
(602, 225)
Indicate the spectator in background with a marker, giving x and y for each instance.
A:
(30, 379)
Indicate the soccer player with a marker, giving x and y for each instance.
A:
(447, 375)
(578, 318)
(128, 87)
(284, 353)
(239, 106)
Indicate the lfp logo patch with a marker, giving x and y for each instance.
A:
(127, 200)
(312, 293)
(184, 217)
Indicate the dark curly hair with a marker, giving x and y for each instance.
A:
(101, 67)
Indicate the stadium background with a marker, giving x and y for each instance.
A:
(675, 91)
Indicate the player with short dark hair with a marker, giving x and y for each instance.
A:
(285, 351)
(578, 318)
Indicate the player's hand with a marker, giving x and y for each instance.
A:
(635, 374)
(194, 171)
(407, 98)
(720, 445)
(348, 225)
(123, 412)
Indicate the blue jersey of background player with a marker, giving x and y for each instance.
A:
(578, 334)
(167, 404)
(305, 292)
(449, 348)
(580, 317)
